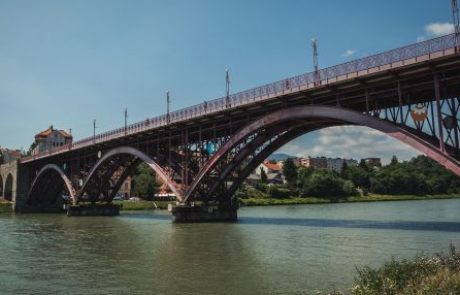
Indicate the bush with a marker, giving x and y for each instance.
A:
(327, 184)
(278, 192)
(423, 275)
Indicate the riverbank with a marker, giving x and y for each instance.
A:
(368, 198)
(150, 205)
(438, 274)
(5, 207)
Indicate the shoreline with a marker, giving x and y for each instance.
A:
(249, 202)
(5, 207)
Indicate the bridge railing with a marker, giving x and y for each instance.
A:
(300, 82)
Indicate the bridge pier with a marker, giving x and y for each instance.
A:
(194, 214)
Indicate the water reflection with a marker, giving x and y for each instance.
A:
(347, 223)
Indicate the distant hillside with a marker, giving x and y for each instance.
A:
(279, 157)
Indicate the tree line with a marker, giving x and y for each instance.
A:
(419, 176)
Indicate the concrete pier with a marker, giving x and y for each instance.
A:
(93, 210)
(193, 214)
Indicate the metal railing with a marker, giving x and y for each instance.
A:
(289, 85)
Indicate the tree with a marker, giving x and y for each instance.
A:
(144, 182)
(263, 175)
(327, 184)
(362, 164)
(31, 148)
(344, 170)
(394, 160)
(290, 171)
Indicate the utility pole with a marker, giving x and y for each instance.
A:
(94, 130)
(456, 22)
(227, 89)
(316, 77)
(168, 102)
(126, 121)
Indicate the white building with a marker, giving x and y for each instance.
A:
(49, 139)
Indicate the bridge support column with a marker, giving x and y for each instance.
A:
(192, 214)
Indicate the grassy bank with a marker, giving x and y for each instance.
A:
(312, 200)
(5, 207)
(439, 274)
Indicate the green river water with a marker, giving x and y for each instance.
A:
(270, 250)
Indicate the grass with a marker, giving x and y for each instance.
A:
(312, 200)
(423, 275)
(5, 207)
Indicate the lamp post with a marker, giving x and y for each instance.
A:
(168, 102)
(227, 88)
(94, 130)
(126, 121)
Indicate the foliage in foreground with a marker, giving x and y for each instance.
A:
(422, 276)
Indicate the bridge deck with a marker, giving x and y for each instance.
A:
(407, 60)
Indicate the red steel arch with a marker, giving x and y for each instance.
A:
(334, 114)
(140, 155)
(58, 170)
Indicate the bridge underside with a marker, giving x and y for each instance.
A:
(206, 158)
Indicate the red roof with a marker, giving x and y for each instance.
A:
(47, 132)
(272, 166)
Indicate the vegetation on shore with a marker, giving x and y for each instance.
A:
(439, 274)
(5, 207)
(353, 199)
(418, 179)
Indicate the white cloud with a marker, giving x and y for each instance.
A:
(349, 142)
(439, 29)
(348, 53)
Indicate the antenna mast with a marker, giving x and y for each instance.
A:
(456, 23)
(227, 88)
(315, 61)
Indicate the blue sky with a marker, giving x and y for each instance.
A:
(68, 62)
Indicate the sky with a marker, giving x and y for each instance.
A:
(66, 63)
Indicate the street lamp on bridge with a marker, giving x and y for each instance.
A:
(126, 121)
(227, 88)
(168, 102)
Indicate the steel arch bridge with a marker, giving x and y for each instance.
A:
(204, 152)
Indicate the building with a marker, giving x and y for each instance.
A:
(50, 139)
(268, 167)
(317, 163)
(8, 155)
(373, 162)
(335, 164)
(274, 172)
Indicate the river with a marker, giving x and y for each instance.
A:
(270, 250)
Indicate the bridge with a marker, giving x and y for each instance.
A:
(204, 152)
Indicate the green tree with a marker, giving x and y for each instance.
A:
(144, 183)
(394, 160)
(362, 164)
(263, 176)
(290, 171)
(327, 184)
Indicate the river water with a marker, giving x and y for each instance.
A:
(270, 250)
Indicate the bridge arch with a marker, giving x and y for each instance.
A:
(1, 186)
(8, 189)
(138, 155)
(335, 116)
(45, 172)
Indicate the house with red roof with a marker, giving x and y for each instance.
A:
(50, 139)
